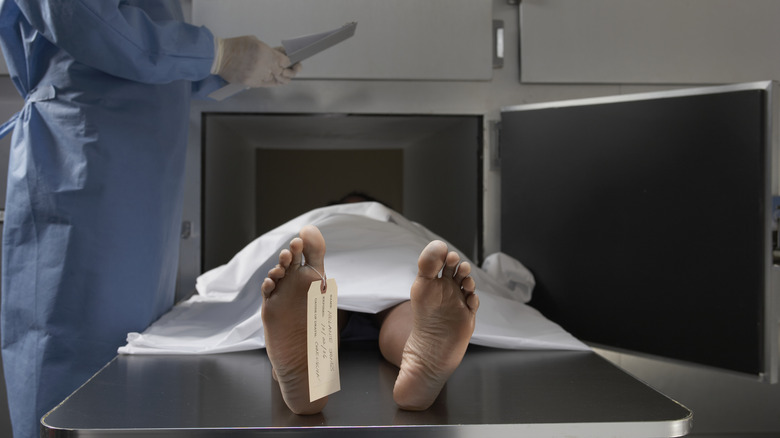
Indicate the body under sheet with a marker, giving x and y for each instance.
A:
(372, 253)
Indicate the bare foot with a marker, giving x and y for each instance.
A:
(444, 311)
(284, 317)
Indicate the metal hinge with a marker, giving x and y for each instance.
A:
(186, 229)
(495, 145)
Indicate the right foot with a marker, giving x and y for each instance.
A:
(443, 316)
(284, 317)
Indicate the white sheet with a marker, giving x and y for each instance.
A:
(372, 253)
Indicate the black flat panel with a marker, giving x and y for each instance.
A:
(643, 222)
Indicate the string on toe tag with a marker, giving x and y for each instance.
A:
(324, 286)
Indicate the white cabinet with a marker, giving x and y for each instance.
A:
(640, 41)
(395, 39)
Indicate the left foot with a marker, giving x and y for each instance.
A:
(444, 312)
(283, 312)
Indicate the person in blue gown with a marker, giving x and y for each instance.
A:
(93, 209)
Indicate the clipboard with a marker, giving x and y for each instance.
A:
(298, 49)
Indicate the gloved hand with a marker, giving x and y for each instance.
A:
(248, 61)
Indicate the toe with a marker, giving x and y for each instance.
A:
(472, 300)
(313, 247)
(468, 285)
(432, 259)
(450, 265)
(464, 270)
(267, 287)
(296, 251)
(285, 258)
(276, 273)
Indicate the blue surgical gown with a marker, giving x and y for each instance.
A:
(93, 209)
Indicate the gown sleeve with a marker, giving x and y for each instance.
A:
(123, 40)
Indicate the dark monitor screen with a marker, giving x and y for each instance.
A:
(645, 221)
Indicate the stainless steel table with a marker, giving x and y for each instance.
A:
(494, 393)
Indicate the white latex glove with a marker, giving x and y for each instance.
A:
(248, 61)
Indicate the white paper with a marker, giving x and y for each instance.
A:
(227, 91)
(322, 339)
(297, 49)
(303, 47)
